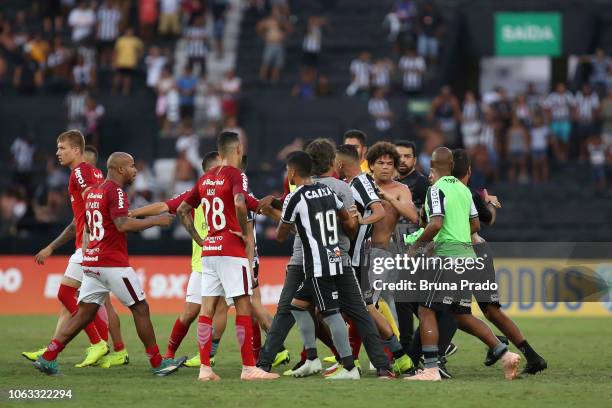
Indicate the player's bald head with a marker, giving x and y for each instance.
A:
(118, 160)
(442, 161)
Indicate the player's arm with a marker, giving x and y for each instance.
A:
(288, 217)
(378, 213)
(403, 204)
(149, 210)
(349, 222)
(474, 221)
(431, 230)
(250, 242)
(435, 202)
(67, 235)
(128, 224)
(184, 212)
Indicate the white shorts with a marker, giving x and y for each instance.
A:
(74, 269)
(226, 276)
(194, 288)
(121, 281)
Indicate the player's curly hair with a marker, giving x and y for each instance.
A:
(323, 152)
(381, 149)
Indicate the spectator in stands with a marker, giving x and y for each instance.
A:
(446, 114)
(230, 88)
(155, 62)
(533, 98)
(75, 107)
(84, 74)
(169, 19)
(196, 37)
(173, 110)
(162, 88)
(379, 109)
(405, 12)
(606, 117)
(219, 9)
(231, 125)
(93, 114)
(601, 69)
(147, 17)
(58, 67)
(52, 16)
(502, 109)
(22, 155)
(522, 110)
(432, 138)
(28, 75)
(381, 73)
(361, 71)
(13, 207)
(489, 144)
(307, 86)
(539, 149)
(559, 105)
(192, 9)
(586, 116)
(274, 30)
(204, 90)
(82, 19)
(38, 48)
(517, 140)
(189, 143)
(186, 86)
(128, 51)
(311, 44)
(185, 173)
(412, 67)
(429, 30)
(109, 20)
(597, 157)
(471, 117)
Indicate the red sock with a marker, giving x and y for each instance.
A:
(101, 325)
(153, 355)
(256, 338)
(67, 295)
(303, 355)
(355, 340)
(53, 349)
(179, 331)
(205, 339)
(389, 354)
(244, 334)
(119, 346)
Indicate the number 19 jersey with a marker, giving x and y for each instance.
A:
(107, 246)
(215, 191)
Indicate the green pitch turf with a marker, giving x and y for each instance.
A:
(578, 350)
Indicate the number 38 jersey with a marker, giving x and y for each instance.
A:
(312, 208)
(215, 191)
(107, 246)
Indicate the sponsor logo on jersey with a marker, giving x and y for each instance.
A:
(120, 197)
(79, 177)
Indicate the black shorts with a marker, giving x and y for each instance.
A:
(321, 291)
(446, 294)
(483, 251)
(454, 307)
(130, 72)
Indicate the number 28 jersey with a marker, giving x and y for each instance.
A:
(107, 246)
(312, 208)
(215, 191)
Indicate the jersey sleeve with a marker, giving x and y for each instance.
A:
(435, 202)
(175, 201)
(85, 177)
(339, 204)
(194, 198)
(240, 185)
(484, 213)
(117, 203)
(289, 213)
(367, 192)
(473, 210)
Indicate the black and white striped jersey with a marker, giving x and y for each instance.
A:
(251, 216)
(313, 208)
(365, 192)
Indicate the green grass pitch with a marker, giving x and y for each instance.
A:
(578, 350)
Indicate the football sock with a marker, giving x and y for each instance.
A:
(204, 339)
(306, 326)
(529, 353)
(53, 349)
(244, 334)
(67, 295)
(393, 344)
(179, 331)
(430, 354)
(339, 335)
(153, 355)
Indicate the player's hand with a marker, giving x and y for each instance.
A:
(491, 199)
(165, 220)
(239, 235)
(264, 203)
(42, 255)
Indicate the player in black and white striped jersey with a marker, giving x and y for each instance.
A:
(370, 210)
(196, 37)
(315, 210)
